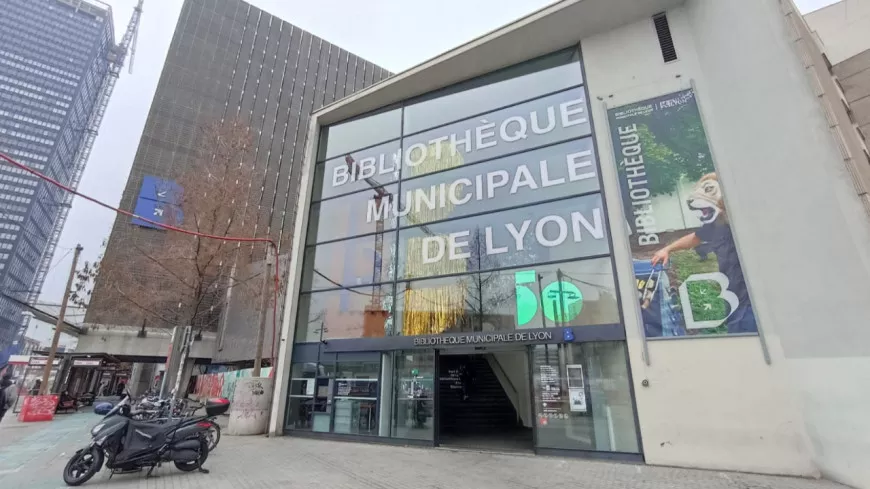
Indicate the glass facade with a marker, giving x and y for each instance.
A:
(582, 399)
(470, 215)
(53, 63)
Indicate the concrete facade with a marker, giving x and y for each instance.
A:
(130, 345)
(766, 424)
(843, 28)
(842, 31)
(787, 401)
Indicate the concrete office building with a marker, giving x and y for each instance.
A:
(54, 59)
(228, 60)
(630, 230)
(843, 33)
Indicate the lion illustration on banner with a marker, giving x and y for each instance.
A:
(706, 199)
(714, 236)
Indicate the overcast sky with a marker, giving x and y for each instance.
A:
(392, 35)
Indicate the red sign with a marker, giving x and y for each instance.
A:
(38, 408)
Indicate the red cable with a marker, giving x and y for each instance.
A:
(171, 228)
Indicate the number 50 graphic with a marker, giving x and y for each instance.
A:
(561, 301)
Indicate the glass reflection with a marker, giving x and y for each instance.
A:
(358, 133)
(353, 172)
(351, 215)
(414, 395)
(544, 296)
(547, 120)
(360, 312)
(552, 231)
(579, 293)
(524, 81)
(349, 263)
(544, 174)
(442, 305)
(582, 397)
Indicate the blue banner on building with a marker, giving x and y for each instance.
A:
(158, 201)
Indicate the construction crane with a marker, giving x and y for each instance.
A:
(116, 57)
(381, 193)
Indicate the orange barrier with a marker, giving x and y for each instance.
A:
(38, 408)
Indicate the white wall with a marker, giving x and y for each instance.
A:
(817, 312)
(802, 235)
(515, 365)
(711, 402)
(843, 28)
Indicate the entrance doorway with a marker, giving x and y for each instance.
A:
(484, 402)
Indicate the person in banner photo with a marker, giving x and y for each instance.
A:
(689, 277)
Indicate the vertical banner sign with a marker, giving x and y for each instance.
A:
(689, 278)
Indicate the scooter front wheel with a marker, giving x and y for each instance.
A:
(82, 466)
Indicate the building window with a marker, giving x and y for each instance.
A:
(349, 263)
(350, 136)
(360, 312)
(582, 397)
(309, 397)
(524, 81)
(518, 128)
(413, 406)
(338, 176)
(351, 215)
(356, 398)
(339, 395)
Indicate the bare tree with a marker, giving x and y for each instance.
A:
(181, 279)
(85, 277)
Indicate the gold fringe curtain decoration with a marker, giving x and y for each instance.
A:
(435, 309)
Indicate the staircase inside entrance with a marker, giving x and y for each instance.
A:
(474, 409)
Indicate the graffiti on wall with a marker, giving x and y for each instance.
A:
(223, 384)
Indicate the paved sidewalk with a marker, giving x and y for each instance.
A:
(259, 462)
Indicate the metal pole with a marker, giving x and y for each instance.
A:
(172, 340)
(46, 372)
(561, 314)
(264, 304)
(541, 298)
(187, 337)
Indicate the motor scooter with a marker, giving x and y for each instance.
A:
(127, 445)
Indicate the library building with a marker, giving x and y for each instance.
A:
(549, 241)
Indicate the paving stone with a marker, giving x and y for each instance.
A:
(287, 462)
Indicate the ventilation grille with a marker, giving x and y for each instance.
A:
(666, 42)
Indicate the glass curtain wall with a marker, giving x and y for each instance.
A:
(474, 208)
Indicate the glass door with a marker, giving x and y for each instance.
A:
(582, 399)
(414, 395)
(355, 400)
